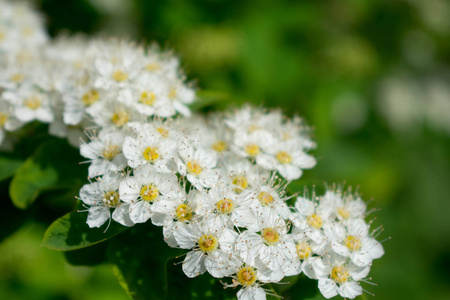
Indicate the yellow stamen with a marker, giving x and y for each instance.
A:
(151, 153)
(241, 183)
(284, 157)
(33, 103)
(111, 198)
(90, 97)
(194, 167)
(219, 146)
(147, 98)
(265, 198)
(120, 118)
(111, 151)
(252, 150)
(149, 193)
(340, 275)
(208, 243)
(353, 243)
(225, 206)
(172, 93)
(152, 67)
(18, 77)
(315, 221)
(3, 118)
(246, 276)
(270, 235)
(343, 212)
(163, 132)
(183, 212)
(303, 250)
(120, 76)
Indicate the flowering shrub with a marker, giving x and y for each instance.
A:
(218, 185)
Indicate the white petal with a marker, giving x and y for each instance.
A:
(328, 288)
(140, 212)
(122, 215)
(97, 216)
(350, 290)
(251, 293)
(193, 264)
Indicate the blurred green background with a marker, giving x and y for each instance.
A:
(371, 77)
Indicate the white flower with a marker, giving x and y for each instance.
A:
(347, 206)
(308, 254)
(110, 112)
(30, 104)
(242, 174)
(146, 187)
(103, 195)
(150, 147)
(8, 121)
(310, 218)
(198, 166)
(338, 276)
(353, 240)
(270, 242)
(250, 145)
(211, 243)
(105, 152)
(179, 95)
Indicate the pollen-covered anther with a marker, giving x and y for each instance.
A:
(90, 97)
(270, 236)
(353, 243)
(265, 198)
(208, 243)
(194, 167)
(3, 118)
(340, 274)
(151, 153)
(315, 221)
(225, 206)
(147, 98)
(241, 183)
(303, 250)
(246, 276)
(183, 212)
(152, 67)
(149, 193)
(219, 146)
(172, 93)
(120, 118)
(33, 103)
(111, 198)
(284, 157)
(119, 76)
(252, 150)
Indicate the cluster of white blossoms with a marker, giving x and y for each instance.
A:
(216, 184)
(73, 83)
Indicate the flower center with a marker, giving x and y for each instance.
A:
(90, 97)
(149, 193)
(151, 153)
(265, 198)
(172, 93)
(163, 132)
(343, 212)
(219, 146)
(225, 206)
(284, 157)
(147, 98)
(246, 276)
(33, 103)
(315, 221)
(18, 77)
(340, 274)
(3, 119)
(111, 198)
(152, 67)
(183, 212)
(120, 118)
(208, 243)
(241, 183)
(271, 236)
(194, 167)
(303, 250)
(111, 151)
(120, 76)
(353, 243)
(252, 150)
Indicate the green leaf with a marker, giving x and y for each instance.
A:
(8, 167)
(90, 256)
(53, 165)
(71, 232)
(140, 259)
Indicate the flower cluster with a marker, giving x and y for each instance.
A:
(73, 83)
(217, 185)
